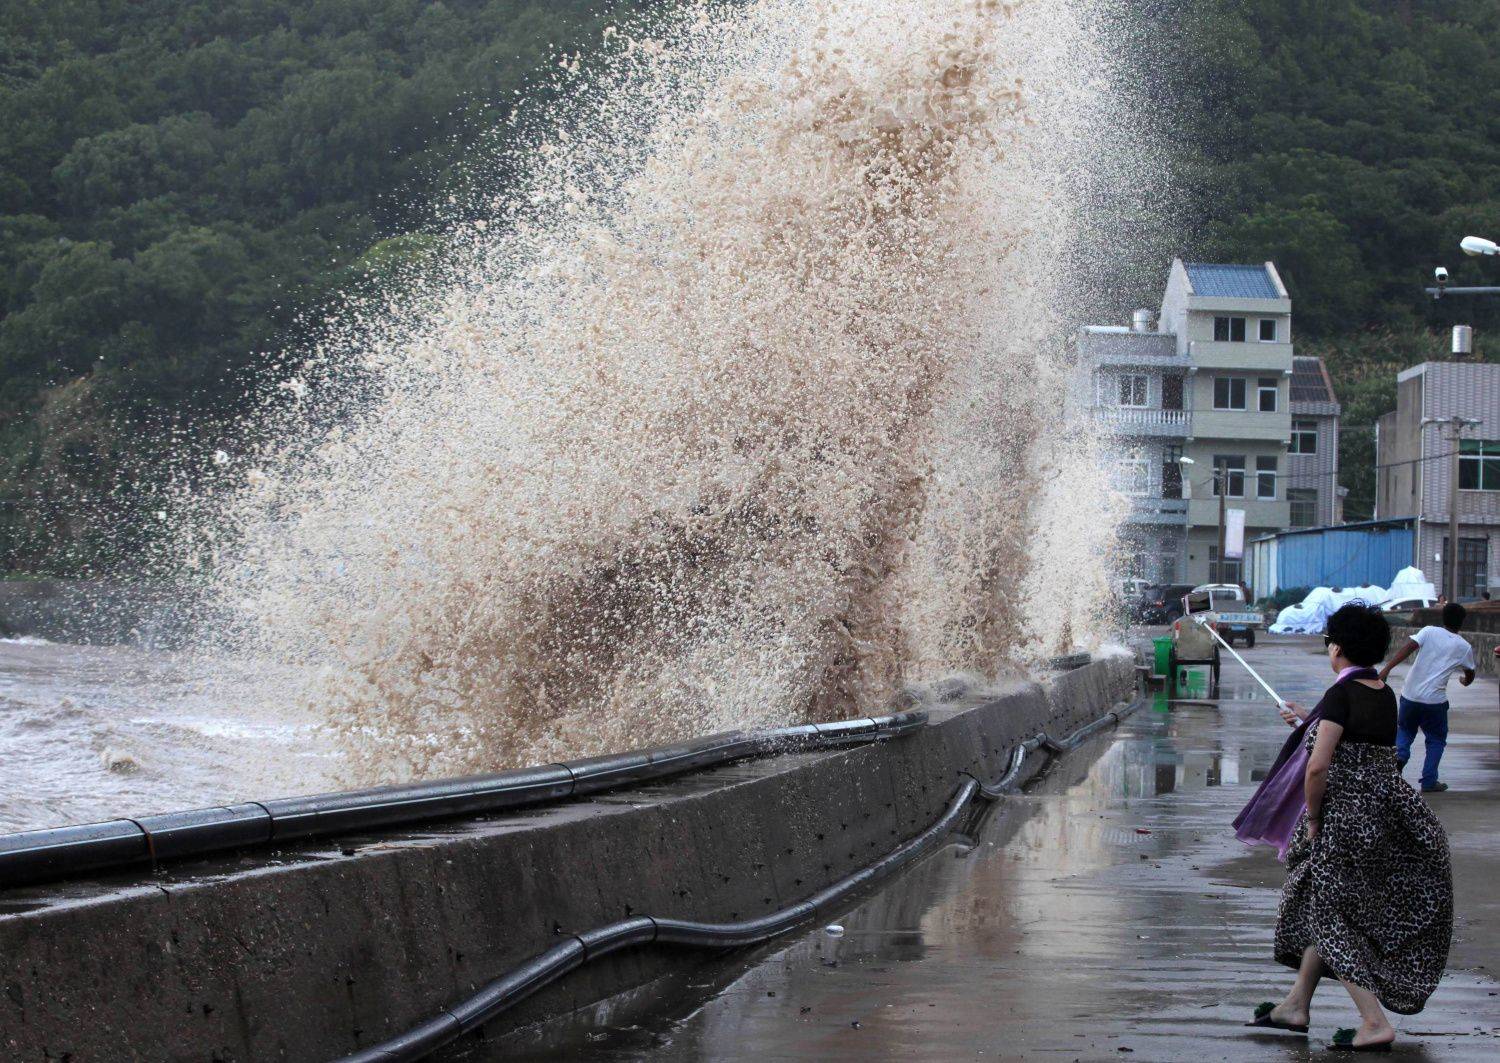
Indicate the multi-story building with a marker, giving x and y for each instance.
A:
(1209, 383)
(1140, 399)
(1414, 468)
(1312, 455)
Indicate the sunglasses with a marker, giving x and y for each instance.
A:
(1327, 641)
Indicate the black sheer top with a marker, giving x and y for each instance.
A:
(1367, 715)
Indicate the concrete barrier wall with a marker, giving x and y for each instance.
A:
(1484, 647)
(317, 950)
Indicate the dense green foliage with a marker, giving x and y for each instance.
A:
(181, 183)
(1353, 141)
(185, 183)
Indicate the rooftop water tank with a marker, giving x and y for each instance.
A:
(1140, 321)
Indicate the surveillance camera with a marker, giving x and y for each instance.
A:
(1440, 275)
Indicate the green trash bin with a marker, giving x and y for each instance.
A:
(1192, 681)
(1163, 646)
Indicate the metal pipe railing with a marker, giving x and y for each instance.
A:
(61, 852)
(547, 967)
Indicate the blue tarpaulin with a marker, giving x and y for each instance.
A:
(1349, 555)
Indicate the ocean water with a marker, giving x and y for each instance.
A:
(746, 403)
(97, 732)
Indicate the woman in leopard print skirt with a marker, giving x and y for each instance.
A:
(1369, 890)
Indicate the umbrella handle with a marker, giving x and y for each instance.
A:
(1280, 701)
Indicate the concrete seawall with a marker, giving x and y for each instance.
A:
(316, 950)
(1484, 647)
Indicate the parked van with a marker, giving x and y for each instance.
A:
(1233, 616)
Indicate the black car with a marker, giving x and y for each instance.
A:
(1160, 604)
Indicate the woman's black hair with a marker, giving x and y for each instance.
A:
(1361, 633)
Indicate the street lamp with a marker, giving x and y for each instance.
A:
(1478, 245)
(1455, 426)
(1473, 246)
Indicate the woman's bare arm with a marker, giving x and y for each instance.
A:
(1315, 783)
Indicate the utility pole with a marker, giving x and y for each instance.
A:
(1221, 475)
(1455, 426)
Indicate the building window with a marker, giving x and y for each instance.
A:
(1473, 567)
(1233, 467)
(1265, 476)
(1304, 506)
(1229, 330)
(1479, 465)
(1265, 394)
(1134, 477)
(1171, 473)
(1229, 393)
(1171, 392)
(1229, 574)
(1268, 330)
(1132, 390)
(1304, 438)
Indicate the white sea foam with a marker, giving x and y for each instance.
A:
(747, 407)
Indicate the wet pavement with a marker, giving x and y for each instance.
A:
(1106, 913)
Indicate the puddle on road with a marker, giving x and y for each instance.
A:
(1095, 913)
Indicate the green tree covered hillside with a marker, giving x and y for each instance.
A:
(179, 181)
(1354, 141)
(185, 183)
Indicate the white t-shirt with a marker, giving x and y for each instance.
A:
(1442, 654)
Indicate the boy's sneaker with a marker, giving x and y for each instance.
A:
(1435, 788)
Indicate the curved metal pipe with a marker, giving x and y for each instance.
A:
(59, 852)
(1042, 740)
(557, 961)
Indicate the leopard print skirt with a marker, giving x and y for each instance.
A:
(1374, 893)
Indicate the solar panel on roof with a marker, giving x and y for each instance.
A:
(1231, 282)
(1308, 384)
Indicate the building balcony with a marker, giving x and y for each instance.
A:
(1242, 424)
(1148, 350)
(1242, 357)
(1131, 421)
(1157, 511)
(1259, 512)
(1104, 345)
(1139, 359)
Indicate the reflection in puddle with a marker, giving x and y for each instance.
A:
(1093, 914)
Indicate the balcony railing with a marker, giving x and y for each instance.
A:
(1148, 510)
(1127, 421)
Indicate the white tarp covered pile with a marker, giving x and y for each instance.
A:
(1311, 617)
(1411, 583)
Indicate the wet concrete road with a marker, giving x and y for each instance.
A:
(1107, 913)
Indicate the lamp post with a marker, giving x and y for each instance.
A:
(1455, 426)
(1221, 481)
(1185, 489)
(1463, 343)
(1474, 247)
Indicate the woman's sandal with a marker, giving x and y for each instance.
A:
(1343, 1041)
(1265, 1022)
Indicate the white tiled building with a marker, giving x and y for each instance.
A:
(1210, 380)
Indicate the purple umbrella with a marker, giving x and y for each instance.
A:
(1271, 815)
